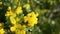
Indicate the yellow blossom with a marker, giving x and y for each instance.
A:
(20, 32)
(19, 10)
(10, 13)
(9, 8)
(20, 29)
(12, 19)
(17, 19)
(12, 29)
(23, 32)
(27, 6)
(23, 27)
(2, 31)
(19, 26)
(25, 18)
(0, 24)
(31, 18)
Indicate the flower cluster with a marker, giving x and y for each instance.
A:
(31, 18)
(19, 24)
(15, 20)
(18, 29)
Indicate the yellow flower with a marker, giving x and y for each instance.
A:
(17, 19)
(31, 18)
(25, 18)
(0, 24)
(0, 3)
(19, 10)
(7, 13)
(20, 32)
(23, 27)
(10, 13)
(17, 32)
(13, 29)
(27, 6)
(23, 32)
(9, 8)
(12, 19)
(32, 21)
(30, 25)
(2, 31)
(20, 27)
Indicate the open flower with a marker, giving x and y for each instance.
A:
(31, 18)
(13, 29)
(19, 10)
